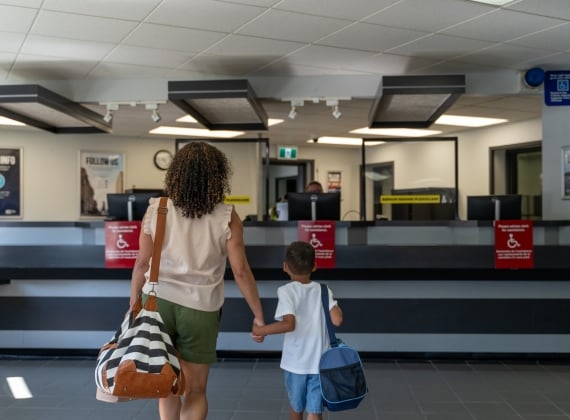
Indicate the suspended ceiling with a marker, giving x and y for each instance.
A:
(96, 51)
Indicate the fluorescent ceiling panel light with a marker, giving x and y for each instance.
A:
(219, 104)
(187, 119)
(465, 121)
(274, 121)
(8, 121)
(395, 132)
(414, 101)
(493, 2)
(195, 132)
(18, 387)
(343, 141)
(39, 107)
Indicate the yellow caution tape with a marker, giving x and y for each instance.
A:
(410, 199)
(237, 199)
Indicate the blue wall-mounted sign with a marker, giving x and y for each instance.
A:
(557, 88)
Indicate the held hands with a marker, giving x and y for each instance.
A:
(258, 338)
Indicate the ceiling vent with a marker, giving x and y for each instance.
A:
(39, 107)
(219, 104)
(414, 101)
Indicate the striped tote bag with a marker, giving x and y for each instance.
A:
(140, 361)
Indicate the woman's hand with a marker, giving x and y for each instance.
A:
(258, 338)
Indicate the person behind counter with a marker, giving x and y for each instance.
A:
(314, 187)
(201, 234)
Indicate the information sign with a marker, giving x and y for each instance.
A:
(557, 88)
(514, 244)
(321, 235)
(121, 243)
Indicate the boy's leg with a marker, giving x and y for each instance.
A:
(296, 387)
(314, 398)
(293, 415)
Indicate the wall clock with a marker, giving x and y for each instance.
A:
(162, 159)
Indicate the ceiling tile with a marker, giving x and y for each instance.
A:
(16, 19)
(412, 14)
(507, 56)
(440, 47)
(22, 3)
(36, 67)
(549, 39)
(81, 27)
(389, 64)
(250, 46)
(108, 70)
(204, 14)
(227, 65)
(147, 56)
(283, 67)
(553, 8)
(172, 38)
(336, 8)
(327, 57)
(368, 37)
(124, 9)
(502, 25)
(292, 26)
(11, 42)
(66, 48)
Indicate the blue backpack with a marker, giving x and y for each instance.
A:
(343, 384)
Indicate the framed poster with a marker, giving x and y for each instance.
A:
(334, 181)
(10, 183)
(566, 172)
(100, 173)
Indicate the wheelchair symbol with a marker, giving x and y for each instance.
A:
(315, 243)
(512, 243)
(121, 243)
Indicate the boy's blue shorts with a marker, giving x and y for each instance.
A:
(304, 392)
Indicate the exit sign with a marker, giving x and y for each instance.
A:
(287, 152)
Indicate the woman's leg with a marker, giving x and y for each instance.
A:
(169, 408)
(194, 403)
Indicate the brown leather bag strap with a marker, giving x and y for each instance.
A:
(158, 237)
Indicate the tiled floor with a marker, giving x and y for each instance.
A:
(251, 389)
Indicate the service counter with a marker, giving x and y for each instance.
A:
(405, 288)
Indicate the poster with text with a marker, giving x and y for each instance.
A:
(566, 172)
(334, 181)
(10, 182)
(101, 173)
(514, 246)
(121, 243)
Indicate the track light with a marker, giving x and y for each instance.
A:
(336, 113)
(108, 117)
(154, 115)
(293, 112)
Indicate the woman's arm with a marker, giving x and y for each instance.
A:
(140, 267)
(241, 270)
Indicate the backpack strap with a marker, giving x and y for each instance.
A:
(325, 304)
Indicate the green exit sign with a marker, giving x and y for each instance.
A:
(287, 152)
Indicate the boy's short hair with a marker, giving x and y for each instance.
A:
(300, 257)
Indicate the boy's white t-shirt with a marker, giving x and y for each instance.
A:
(303, 347)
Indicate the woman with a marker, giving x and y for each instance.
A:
(201, 234)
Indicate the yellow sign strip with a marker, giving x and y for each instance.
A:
(410, 199)
(237, 199)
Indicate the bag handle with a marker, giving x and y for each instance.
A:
(325, 304)
(158, 237)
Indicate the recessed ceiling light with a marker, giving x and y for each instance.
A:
(494, 2)
(464, 121)
(395, 132)
(343, 141)
(8, 121)
(195, 132)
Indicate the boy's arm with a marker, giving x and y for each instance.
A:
(336, 315)
(287, 324)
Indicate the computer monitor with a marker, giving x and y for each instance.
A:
(484, 207)
(118, 205)
(327, 206)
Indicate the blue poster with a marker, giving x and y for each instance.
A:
(557, 88)
(10, 174)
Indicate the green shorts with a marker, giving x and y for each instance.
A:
(193, 332)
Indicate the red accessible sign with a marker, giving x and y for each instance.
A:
(514, 244)
(121, 243)
(321, 235)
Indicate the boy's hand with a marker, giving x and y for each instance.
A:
(258, 338)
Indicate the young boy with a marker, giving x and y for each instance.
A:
(300, 316)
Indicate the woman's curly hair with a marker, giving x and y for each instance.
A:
(198, 179)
